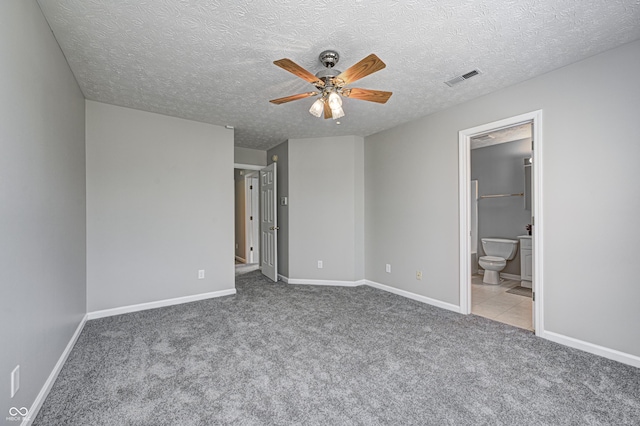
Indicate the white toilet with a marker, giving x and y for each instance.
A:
(498, 251)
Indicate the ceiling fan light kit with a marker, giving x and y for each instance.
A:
(317, 108)
(337, 113)
(331, 83)
(335, 101)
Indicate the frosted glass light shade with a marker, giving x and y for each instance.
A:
(317, 108)
(337, 113)
(335, 101)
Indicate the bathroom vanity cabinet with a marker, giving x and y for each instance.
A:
(526, 261)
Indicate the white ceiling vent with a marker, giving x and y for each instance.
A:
(463, 77)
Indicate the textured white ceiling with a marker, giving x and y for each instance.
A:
(211, 60)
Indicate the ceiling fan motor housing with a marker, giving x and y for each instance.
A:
(327, 75)
(329, 58)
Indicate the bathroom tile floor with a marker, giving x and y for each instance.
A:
(493, 302)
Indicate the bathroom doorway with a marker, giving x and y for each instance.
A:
(508, 300)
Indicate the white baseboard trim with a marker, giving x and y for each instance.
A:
(241, 259)
(158, 304)
(403, 293)
(613, 354)
(504, 275)
(331, 283)
(510, 277)
(413, 296)
(42, 395)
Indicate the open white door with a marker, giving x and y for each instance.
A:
(252, 218)
(269, 222)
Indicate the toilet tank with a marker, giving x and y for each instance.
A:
(500, 247)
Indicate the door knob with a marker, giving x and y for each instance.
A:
(274, 228)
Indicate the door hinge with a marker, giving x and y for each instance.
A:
(531, 145)
(251, 249)
(533, 220)
(250, 186)
(250, 217)
(533, 296)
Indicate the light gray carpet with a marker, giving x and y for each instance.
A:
(285, 354)
(243, 268)
(521, 291)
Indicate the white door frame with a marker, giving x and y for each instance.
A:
(464, 192)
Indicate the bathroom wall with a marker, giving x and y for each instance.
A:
(499, 169)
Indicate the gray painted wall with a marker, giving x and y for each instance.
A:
(358, 216)
(159, 197)
(499, 169)
(590, 194)
(326, 208)
(42, 202)
(255, 157)
(282, 151)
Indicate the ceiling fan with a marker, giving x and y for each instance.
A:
(330, 84)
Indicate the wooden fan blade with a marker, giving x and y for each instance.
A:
(327, 111)
(292, 98)
(378, 96)
(367, 66)
(295, 69)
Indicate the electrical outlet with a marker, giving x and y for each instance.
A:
(15, 380)
(201, 274)
(418, 275)
(387, 268)
(320, 265)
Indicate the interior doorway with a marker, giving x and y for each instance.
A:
(247, 218)
(532, 120)
(501, 207)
